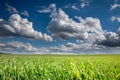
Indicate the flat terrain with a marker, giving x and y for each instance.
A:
(59, 67)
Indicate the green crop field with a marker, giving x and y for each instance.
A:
(59, 67)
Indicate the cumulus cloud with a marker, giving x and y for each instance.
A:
(114, 18)
(16, 47)
(13, 10)
(112, 39)
(49, 9)
(64, 27)
(20, 27)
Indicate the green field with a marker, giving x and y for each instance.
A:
(59, 67)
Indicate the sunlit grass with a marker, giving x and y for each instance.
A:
(59, 67)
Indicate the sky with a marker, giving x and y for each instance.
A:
(60, 26)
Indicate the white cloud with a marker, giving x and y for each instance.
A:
(49, 9)
(25, 13)
(69, 46)
(11, 9)
(21, 27)
(72, 6)
(64, 27)
(114, 18)
(78, 48)
(75, 7)
(84, 3)
(111, 36)
(84, 48)
(16, 47)
(114, 6)
(78, 5)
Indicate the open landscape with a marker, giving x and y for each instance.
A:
(60, 40)
(60, 67)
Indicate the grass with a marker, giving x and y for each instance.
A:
(60, 67)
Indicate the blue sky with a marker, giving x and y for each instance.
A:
(70, 26)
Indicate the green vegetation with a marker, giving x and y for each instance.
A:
(59, 67)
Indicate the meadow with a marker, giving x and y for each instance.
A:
(60, 67)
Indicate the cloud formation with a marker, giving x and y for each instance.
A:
(49, 9)
(114, 18)
(114, 6)
(72, 6)
(112, 39)
(64, 27)
(13, 10)
(20, 27)
(78, 48)
(69, 46)
(15, 47)
(81, 47)
(77, 6)
(84, 3)
(25, 13)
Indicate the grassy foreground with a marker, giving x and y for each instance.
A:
(59, 67)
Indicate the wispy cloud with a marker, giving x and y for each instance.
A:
(25, 13)
(72, 6)
(114, 18)
(49, 9)
(79, 5)
(13, 10)
(114, 6)
(75, 7)
(84, 3)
